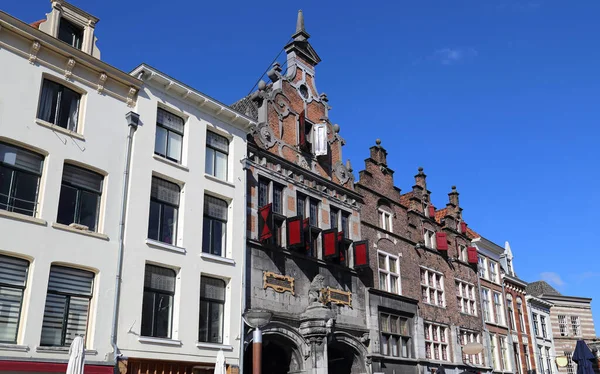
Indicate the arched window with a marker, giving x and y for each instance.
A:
(511, 312)
(520, 312)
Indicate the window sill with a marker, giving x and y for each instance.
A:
(92, 234)
(435, 305)
(220, 259)
(160, 245)
(63, 350)
(14, 347)
(468, 315)
(214, 346)
(59, 129)
(163, 341)
(22, 217)
(169, 162)
(215, 179)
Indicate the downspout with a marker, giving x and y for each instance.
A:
(488, 347)
(245, 165)
(133, 121)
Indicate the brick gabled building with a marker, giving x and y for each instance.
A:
(423, 275)
(304, 253)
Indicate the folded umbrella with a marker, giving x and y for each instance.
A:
(583, 357)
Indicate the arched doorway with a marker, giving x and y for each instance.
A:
(279, 356)
(343, 359)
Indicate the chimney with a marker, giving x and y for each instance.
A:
(378, 153)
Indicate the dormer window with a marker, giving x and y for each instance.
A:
(70, 33)
(312, 137)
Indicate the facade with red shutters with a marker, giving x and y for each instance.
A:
(305, 258)
(423, 274)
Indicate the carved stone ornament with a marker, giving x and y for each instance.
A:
(315, 290)
(101, 82)
(69, 67)
(342, 173)
(266, 135)
(335, 296)
(279, 283)
(130, 96)
(302, 162)
(35, 48)
(365, 339)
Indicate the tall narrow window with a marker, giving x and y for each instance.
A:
(493, 271)
(575, 326)
(432, 287)
(493, 349)
(263, 192)
(482, 267)
(212, 305)
(503, 354)
(536, 326)
(334, 217)
(543, 324)
(157, 306)
(314, 213)
(430, 239)
(301, 205)
(570, 366)
(385, 219)
(346, 224)
(395, 336)
(517, 358)
(548, 361)
(436, 342)
(80, 195)
(485, 300)
(215, 226)
(562, 325)
(20, 172)
(67, 305)
(540, 358)
(277, 198)
(70, 33)
(389, 273)
(465, 297)
(169, 135)
(59, 105)
(498, 309)
(511, 313)
(164, 206)
(521, 315)
(527, 360)
(13, 279)
(217, 150)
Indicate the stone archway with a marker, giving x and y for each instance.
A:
(345, 355)
(281, 353)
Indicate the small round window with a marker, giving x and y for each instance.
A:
(304, 91)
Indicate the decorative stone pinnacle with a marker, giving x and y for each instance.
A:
(300, 34)
(453, 188)
(378, 141)
(420, 170)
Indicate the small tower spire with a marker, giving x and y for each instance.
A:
(300, 34)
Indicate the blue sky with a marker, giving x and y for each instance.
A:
(497, 97)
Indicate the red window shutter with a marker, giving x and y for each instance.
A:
(330, 244)
(265, 222)
(361, 254)
(441, 241)
(342, 255)
(295, 232)
(306, 223)
(302, 130)
(432, 212)
(472, 255)
(463, 227)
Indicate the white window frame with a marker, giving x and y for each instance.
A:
(389, 274)
(504, 359)
(498, 304)
(385, 220)
(436, 338)
(493, 271)
(467, 336)
(466, 299)
(462, 253)
(429, 237)
(482, 267)
(562, 325)
(486, 302)
(438, 279)
(575, 325)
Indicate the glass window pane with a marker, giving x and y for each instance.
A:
(10, 299)
(169, 120)
(6, 176)
(394, 346)
(89, 203)
(80, 177)
(382, 262)
(384, 345)
(159, 278)
(154, 220)
(216, 323)
(160, 142)
(174, 151)
(48, 101)
(165, 191)
(217, 142)
(70, 280)
(215, 208)
(76, 318)
(168, 225)
(203, 332)
(218, 237)
(21, 158)
(209, 167)
(393, 267)
(67, 205)
(52, 324)
(383, 282)
(206, 235)
(163, 311)
(221, 165)
(68, 112)
(147, 313)
(25, 193)
(394, 284)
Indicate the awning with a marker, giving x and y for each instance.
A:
(51, 367)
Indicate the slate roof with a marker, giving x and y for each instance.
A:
(541, 287)
(246, 106)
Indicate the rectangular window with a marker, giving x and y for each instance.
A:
(217, 151)
(541, 359)
(59, 105)
(511, 313)
(498, 309)
(277, 198)
(575, 326)
(504, 365)
(548, 361)
(215, 226)
(395, 336)
(493, 271)
(157, 307)
(263, 192)
(212, 306)
(536, 328)
(485, 300)
(570, 366)
(517, 358)
(13, 279)
(80, 195)
(527, 361)
(562, 325)
(436, 341)
(521, 315)
(430, 241)
(385, 220)
(70, 33)
(389, 273)
(543, 324)
(164, 206)
(467, 337)
(493, 349)
(465, 297)
(314, 213)
(301, 205)
(334, 215)
(462, 253)
(20, 172)
(432, 287)
(482, 267)
(67, 305)
(169, 136)
(346, 225)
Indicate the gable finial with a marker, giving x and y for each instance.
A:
(300, 34)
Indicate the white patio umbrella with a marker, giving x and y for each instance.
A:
(76, 356)
(220, 364)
